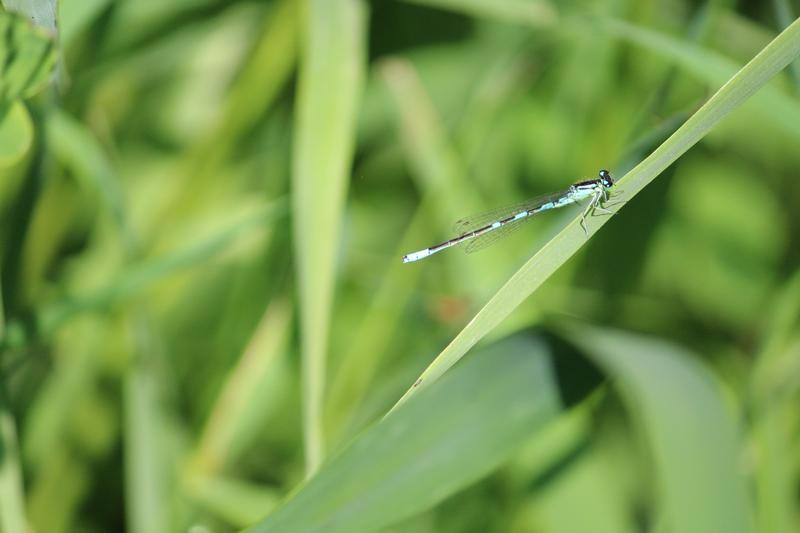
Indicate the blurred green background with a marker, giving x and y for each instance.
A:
(204, 316)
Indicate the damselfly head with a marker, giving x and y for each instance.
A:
(606, 179)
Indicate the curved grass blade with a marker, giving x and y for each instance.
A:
(435, 445)
(771, 60)
(691, 436)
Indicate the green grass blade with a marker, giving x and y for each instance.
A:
(238, 502)
(243, 388)
(330, 81)
(692, 438)
(436, 444)
(76, 147)
(12, 501)
(16, 133)
(772, 408)
(771, 60)
(783, 12)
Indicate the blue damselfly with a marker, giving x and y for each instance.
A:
(483, 229)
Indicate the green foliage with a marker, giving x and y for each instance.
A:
(205, 322)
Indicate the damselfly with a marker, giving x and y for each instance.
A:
(484, 229)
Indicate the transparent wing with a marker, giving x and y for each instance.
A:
(479, 220)
(487, 239)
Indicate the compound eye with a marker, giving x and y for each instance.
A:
(606, 177)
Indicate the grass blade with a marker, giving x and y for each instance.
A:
(692, 438)
(12, 500)
(330, 81)
(243, 388)
(771, 60)
(435, 445)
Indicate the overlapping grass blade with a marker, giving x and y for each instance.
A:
(691, 435)
(771, 60)
(433, 446)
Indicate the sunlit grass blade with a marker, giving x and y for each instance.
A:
(431, 447)
(691, 435)
(331, 74)
(771, 60)
(243, 389)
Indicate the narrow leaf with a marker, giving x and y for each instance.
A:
(330, 81)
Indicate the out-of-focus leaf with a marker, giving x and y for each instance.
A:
(691, 435)
(713, 68)
(331, 75)
(78, 149)
(27, 56)
(137, 278)
(449, 436)
(592, 482)
(774, 386)
(16, 133)
(74, 15)
(246, 388)
(236, 501)
(12, 500)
